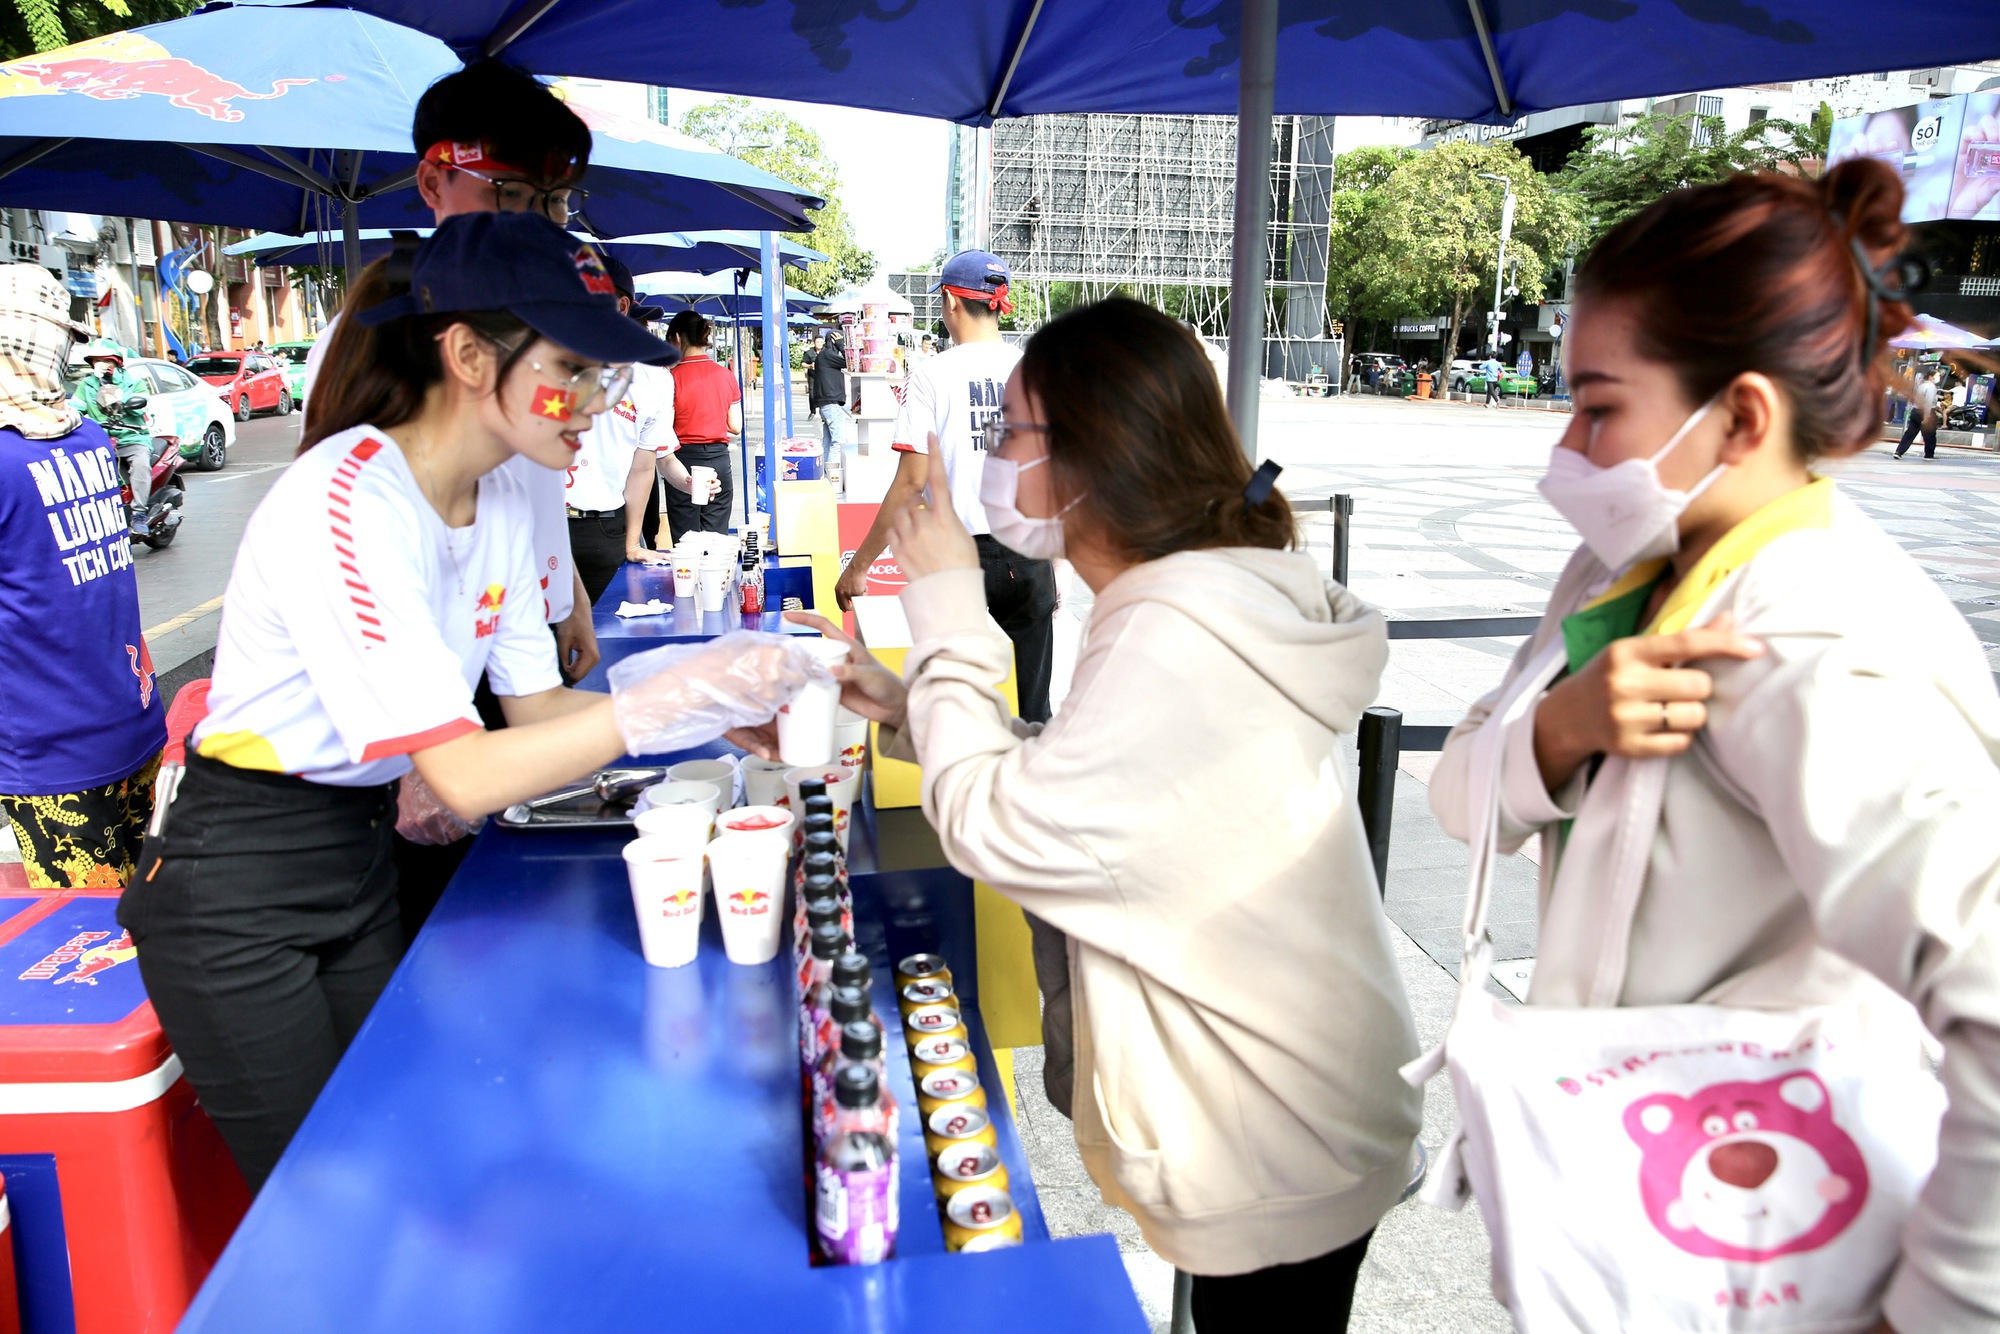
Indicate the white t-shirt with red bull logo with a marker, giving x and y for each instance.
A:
(952, 397)
(642, 419)
(555, 569)
(356, 624)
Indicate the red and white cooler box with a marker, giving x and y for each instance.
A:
(119, 1192)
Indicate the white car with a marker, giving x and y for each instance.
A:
(190, 410)
(1462, 369)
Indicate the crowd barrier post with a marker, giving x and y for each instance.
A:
(1381, 746)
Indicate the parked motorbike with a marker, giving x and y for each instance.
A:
(1969, 417)
(163, 507)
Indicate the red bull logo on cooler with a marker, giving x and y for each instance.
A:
(126, 65)
(89, 957)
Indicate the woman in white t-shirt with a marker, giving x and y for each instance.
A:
(385, 571)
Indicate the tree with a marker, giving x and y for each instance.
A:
(1623, 168)
(1431, 239)
(1356, 288)
(28, 26)
(789, 150)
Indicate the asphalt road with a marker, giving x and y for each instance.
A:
(180, 588)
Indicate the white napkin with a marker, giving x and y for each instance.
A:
(650, 607)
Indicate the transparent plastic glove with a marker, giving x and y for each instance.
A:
(687, 694)
(422, 817)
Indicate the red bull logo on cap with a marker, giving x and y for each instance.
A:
(596, 278)
(486, 610)
(126, 65)
(89, 958)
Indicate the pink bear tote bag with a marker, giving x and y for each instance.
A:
(1686, 1167)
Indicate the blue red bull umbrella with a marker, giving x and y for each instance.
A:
(699, 252)
(298, 120)
(724, 294)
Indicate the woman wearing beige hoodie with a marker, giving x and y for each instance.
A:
(1185, 818)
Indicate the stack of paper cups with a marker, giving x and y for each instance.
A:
(805, 725)
(666, 894)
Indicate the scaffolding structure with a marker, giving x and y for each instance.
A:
(1145, 204)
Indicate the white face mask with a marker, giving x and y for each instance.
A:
(999, 486)
(1624, 513)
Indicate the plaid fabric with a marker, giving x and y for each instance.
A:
(35, 338)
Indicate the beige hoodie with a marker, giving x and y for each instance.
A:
(1186, 819)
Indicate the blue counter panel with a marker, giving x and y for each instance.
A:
(535, 1131)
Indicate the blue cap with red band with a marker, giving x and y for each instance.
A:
(522, 263)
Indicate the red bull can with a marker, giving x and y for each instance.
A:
(964, 1166)
(940, 1053)
(961, 1124)
(922, 968)
(942, 1088)
(981, 1218)
(931, 991)
(933, 1021)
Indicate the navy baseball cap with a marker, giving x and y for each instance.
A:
(553, 282)
(974, 271)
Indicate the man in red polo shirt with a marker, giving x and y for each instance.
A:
(708, 412)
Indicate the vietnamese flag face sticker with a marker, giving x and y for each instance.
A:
(555, 404)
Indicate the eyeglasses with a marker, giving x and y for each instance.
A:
(587, 386)
(557, 203)
(994, 434)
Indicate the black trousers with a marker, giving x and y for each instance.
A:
(266, 922)
(683, 515)
(649, 527)
(597, 545)
(1492, 391)
(1021, 595)
(1314, 1294)
(1911, 425)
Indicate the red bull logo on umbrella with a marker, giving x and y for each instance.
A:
(89, 958)
(125, 65)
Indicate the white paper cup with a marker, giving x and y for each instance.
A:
(682, 812)
(722, 773)
(749, 875)
(666, 894)
(704, 481)
(684, 572)
(712, 585)
(763, 781)
(843, 784)
(805, 724)
(850, 738)
(768, 822)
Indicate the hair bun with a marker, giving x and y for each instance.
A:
(1865, 197)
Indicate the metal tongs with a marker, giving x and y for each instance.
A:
(614, 789)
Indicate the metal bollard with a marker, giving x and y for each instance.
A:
(1181, 1319)
(1343, 519)
(1381, 747)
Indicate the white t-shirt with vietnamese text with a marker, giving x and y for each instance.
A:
(952, 397)
(555, 569)
(642, 419)
(356, 624)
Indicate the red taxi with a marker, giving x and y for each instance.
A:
(248, 381)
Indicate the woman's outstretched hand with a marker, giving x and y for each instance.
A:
(1634, 699)
(928, 536)
(866, 687)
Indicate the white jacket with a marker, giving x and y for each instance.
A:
(1835, 828)
(1186, 819)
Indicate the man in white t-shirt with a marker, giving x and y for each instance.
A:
(946, 404)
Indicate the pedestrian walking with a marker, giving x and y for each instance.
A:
(1921, 416)
(826, 391)
(1757, 743)
(708, 413)
(81, 725)
(1492, 371)
(1239, 1018)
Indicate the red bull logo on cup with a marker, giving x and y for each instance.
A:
(89, 958)
(126, 65)
(748, 902)
(680, 903)
(486, 610)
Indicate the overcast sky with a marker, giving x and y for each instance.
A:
(892, 172)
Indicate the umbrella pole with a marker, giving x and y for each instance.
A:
(774, 319)
(350, 239)
(1256, 83)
